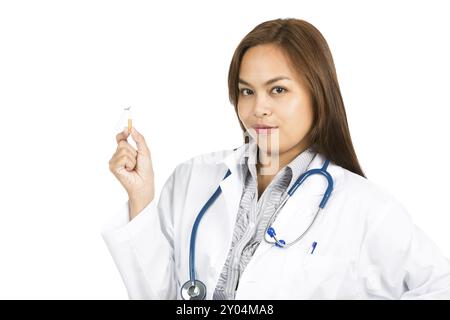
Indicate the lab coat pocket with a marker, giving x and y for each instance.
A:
(316, 276)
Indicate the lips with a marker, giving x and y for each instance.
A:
(262, 126)
(264, 129)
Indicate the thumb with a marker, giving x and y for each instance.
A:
(140, 141)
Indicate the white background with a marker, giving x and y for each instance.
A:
(67, 68)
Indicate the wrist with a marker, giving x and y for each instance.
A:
(136, 205)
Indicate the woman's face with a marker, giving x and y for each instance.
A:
(283, 103)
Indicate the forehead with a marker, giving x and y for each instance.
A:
(264, 62)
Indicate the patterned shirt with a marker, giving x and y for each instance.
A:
(253, 216)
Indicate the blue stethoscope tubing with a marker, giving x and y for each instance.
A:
(195, 289)
(323, 171)
(195, 228)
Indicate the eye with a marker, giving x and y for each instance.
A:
(279, 89)
(243, 91)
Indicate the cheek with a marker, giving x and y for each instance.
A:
(297, 121)
(294, 111)
(243, 113)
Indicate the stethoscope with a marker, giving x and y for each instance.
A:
(194, 289)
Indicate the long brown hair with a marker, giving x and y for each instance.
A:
(310, 55)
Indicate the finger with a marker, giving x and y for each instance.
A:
(122, 135)
(130, 163)
(123, 161)
(124, 145)
(140, 141)
(125, 153)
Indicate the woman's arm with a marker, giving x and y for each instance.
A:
(143, 247)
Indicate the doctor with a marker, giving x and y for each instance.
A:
(245, 223)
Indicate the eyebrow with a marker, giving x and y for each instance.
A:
(267, 82)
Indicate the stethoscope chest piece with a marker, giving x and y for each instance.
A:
(193, 291)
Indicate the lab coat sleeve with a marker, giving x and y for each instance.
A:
(142, 248)
(399, 261)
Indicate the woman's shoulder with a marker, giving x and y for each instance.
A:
(364, 187)
(372, 197)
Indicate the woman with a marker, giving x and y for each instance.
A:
(362, 245)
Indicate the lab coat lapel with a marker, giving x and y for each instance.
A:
(212, 253)
(233, 185)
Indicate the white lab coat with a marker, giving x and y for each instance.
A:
(367, 245)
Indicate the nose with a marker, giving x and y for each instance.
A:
(261, 109)
(262, 114)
